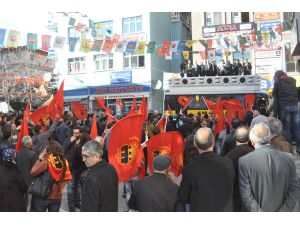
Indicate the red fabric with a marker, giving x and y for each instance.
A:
(55, 166)
(120, 103)
(79, 110)
(219, 114)
(161, 124)
(233, 111)
(94, 130)
(144, 109)
(209, 104)
(109, 110)
(233, 101)
(133, 109)
(101, 103)
(170, 144)
(166, 47)
(56, 106)
(142, 168)
(124, 150)
(160, 51)
(184, 101)
(24, 129)
(107, 46)
(39, 115)
(249, 100)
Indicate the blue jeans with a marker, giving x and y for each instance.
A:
(42, 204)
(291, 124)
(73, 191)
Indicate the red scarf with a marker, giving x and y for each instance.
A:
(55, 166)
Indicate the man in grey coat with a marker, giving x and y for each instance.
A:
(268, 179)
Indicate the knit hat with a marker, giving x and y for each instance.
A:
(9, 155)
(278, 74)
(161, 162)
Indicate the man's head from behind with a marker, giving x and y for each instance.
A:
(242, 135)
(275, 125)
(260, 135)
(91, 153)
(161, 164)
(204, 140)
(27, 142)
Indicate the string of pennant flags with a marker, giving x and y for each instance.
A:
(214, 46)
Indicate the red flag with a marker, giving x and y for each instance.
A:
(232, 101)
(219, 113)
(120, 103)
(170, 144)
(124, 150)
(209, 104)
(79, 110)
(101, 103)
(184, 101)
(24, 129)
(108, 110)
(56, 106)
(110, 118)
(133, 109)
(46, 42)
(107, 46)
(94, 130)
(39, 115)
(249, 100)
(161, 124)
(144, 108)
(233, 111)
(166, 47)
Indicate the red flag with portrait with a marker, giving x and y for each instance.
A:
(39, 115)
(184, 101)
(79, 110)
(170, 144)
(56, 106)
(94, 130)
(124, 150)
(24, 128)
(249, 100)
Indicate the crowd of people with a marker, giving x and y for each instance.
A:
(248, 166)
(211, 68)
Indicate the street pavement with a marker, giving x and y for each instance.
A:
(122, 202)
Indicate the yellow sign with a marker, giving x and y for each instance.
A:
(263, 16)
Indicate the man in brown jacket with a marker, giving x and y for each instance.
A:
(277, 140)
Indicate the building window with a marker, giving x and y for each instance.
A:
(235, 17)
(245, 17)
(213, 18)
(103, 30)
(132, 25)
(104, 62)
(134, 60)
(77, 65)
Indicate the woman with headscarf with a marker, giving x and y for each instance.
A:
(53, 160)
(12, 185)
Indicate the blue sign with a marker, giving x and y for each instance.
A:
(265, 84)
(121, 77)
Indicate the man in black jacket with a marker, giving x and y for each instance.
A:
(25, 160)
(242, 148)
(156, 193)
(207, 182)
(286, 106)
(99, 191)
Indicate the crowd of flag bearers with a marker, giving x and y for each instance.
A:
(93, 154)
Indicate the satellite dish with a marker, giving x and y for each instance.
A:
(157, 84)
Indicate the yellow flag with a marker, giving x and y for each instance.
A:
(86, 45)
(140, 47)
(186, 55)
(13, 39)
(189, 43)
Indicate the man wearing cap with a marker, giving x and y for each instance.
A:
(156, 193)
(207, 182)
(286, 106)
